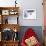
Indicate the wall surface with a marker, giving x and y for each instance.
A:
(32, 4)
(27, 4)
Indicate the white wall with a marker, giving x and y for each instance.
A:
(7, 3)
(27, 4)
(32, 4)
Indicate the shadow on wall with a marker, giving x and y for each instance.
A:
(37, 29)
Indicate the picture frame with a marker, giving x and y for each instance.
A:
(5, 12)
(29, 14)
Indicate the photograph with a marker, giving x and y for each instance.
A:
(29, 14)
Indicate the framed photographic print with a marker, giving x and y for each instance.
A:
(5, 12)
(29, 14)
